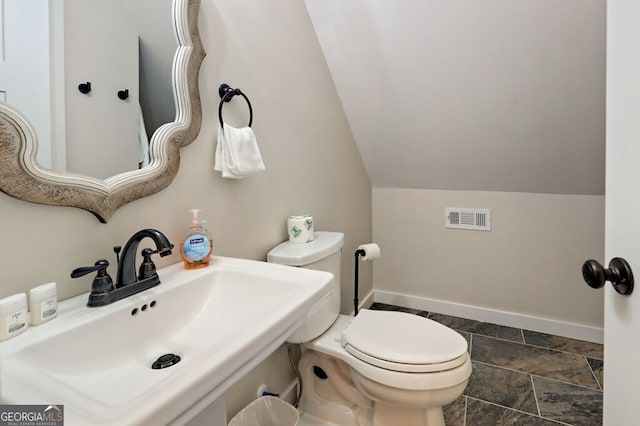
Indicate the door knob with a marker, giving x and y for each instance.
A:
(619, 273)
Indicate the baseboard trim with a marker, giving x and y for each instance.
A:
(290, 392)
(511, 319)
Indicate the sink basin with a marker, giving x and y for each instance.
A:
(221, 321)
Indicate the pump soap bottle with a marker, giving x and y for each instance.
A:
(197, 247)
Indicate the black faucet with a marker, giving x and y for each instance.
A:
(103, 292)
(127, 264)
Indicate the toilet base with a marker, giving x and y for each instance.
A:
(431, 417)
(309, 420)
(333, 396)
(329, 395)
(393, 415)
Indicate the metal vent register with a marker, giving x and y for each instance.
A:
(472, 219)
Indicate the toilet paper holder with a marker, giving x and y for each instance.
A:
(367, 252)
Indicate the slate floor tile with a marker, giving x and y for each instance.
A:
(478, 327)
(504, 387)
(455, 412)
(386, 307)
(597, 366)
(480, 413)
(592, 350)
(562, 366)
(568, 403)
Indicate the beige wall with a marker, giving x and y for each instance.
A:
(270, 51)
(488, 95)
(528, 264)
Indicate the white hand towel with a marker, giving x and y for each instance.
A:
(237, 153)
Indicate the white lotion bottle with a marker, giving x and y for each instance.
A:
(13, 316)
(43, 303)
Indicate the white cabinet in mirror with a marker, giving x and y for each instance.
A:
(42, 172)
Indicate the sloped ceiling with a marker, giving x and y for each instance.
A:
(496, 95)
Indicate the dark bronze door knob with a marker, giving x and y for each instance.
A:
(619, 274)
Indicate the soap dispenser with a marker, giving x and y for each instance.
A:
(197, 247)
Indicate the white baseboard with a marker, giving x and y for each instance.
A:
(290, 392)
(511, 319)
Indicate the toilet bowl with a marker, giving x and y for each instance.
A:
(378, 368)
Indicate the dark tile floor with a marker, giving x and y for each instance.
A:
(521, 377)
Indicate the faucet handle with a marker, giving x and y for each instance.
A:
(147, 267)
(102, 283)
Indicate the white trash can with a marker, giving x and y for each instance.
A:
(266, 411)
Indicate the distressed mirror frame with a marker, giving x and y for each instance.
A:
(23, 178)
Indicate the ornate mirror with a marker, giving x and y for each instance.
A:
(24, 175)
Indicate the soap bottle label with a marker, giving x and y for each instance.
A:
(16, 321)
(48, 308)
(196, 247)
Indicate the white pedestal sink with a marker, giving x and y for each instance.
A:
(221, 321)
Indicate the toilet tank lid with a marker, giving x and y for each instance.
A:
(324, 244)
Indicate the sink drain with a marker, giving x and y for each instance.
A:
(166, 360)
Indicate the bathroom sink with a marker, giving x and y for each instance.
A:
(221, 321)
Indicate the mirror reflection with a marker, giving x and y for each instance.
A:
(123, 48)
(23, 177)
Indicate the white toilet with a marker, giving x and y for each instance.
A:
(379, 368)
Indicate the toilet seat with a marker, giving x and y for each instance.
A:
(406, 368)
(402, 342)
(330, 343)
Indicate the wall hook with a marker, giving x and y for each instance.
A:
(84, 87)
(123, 94)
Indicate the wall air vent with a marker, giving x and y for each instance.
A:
(472, 219)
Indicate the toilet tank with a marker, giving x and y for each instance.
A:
(323, 254)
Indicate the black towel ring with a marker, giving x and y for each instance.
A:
(226, 94)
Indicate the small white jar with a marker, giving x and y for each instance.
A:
(43, 303)
(13, 316)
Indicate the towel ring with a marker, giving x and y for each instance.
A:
(226, 94)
